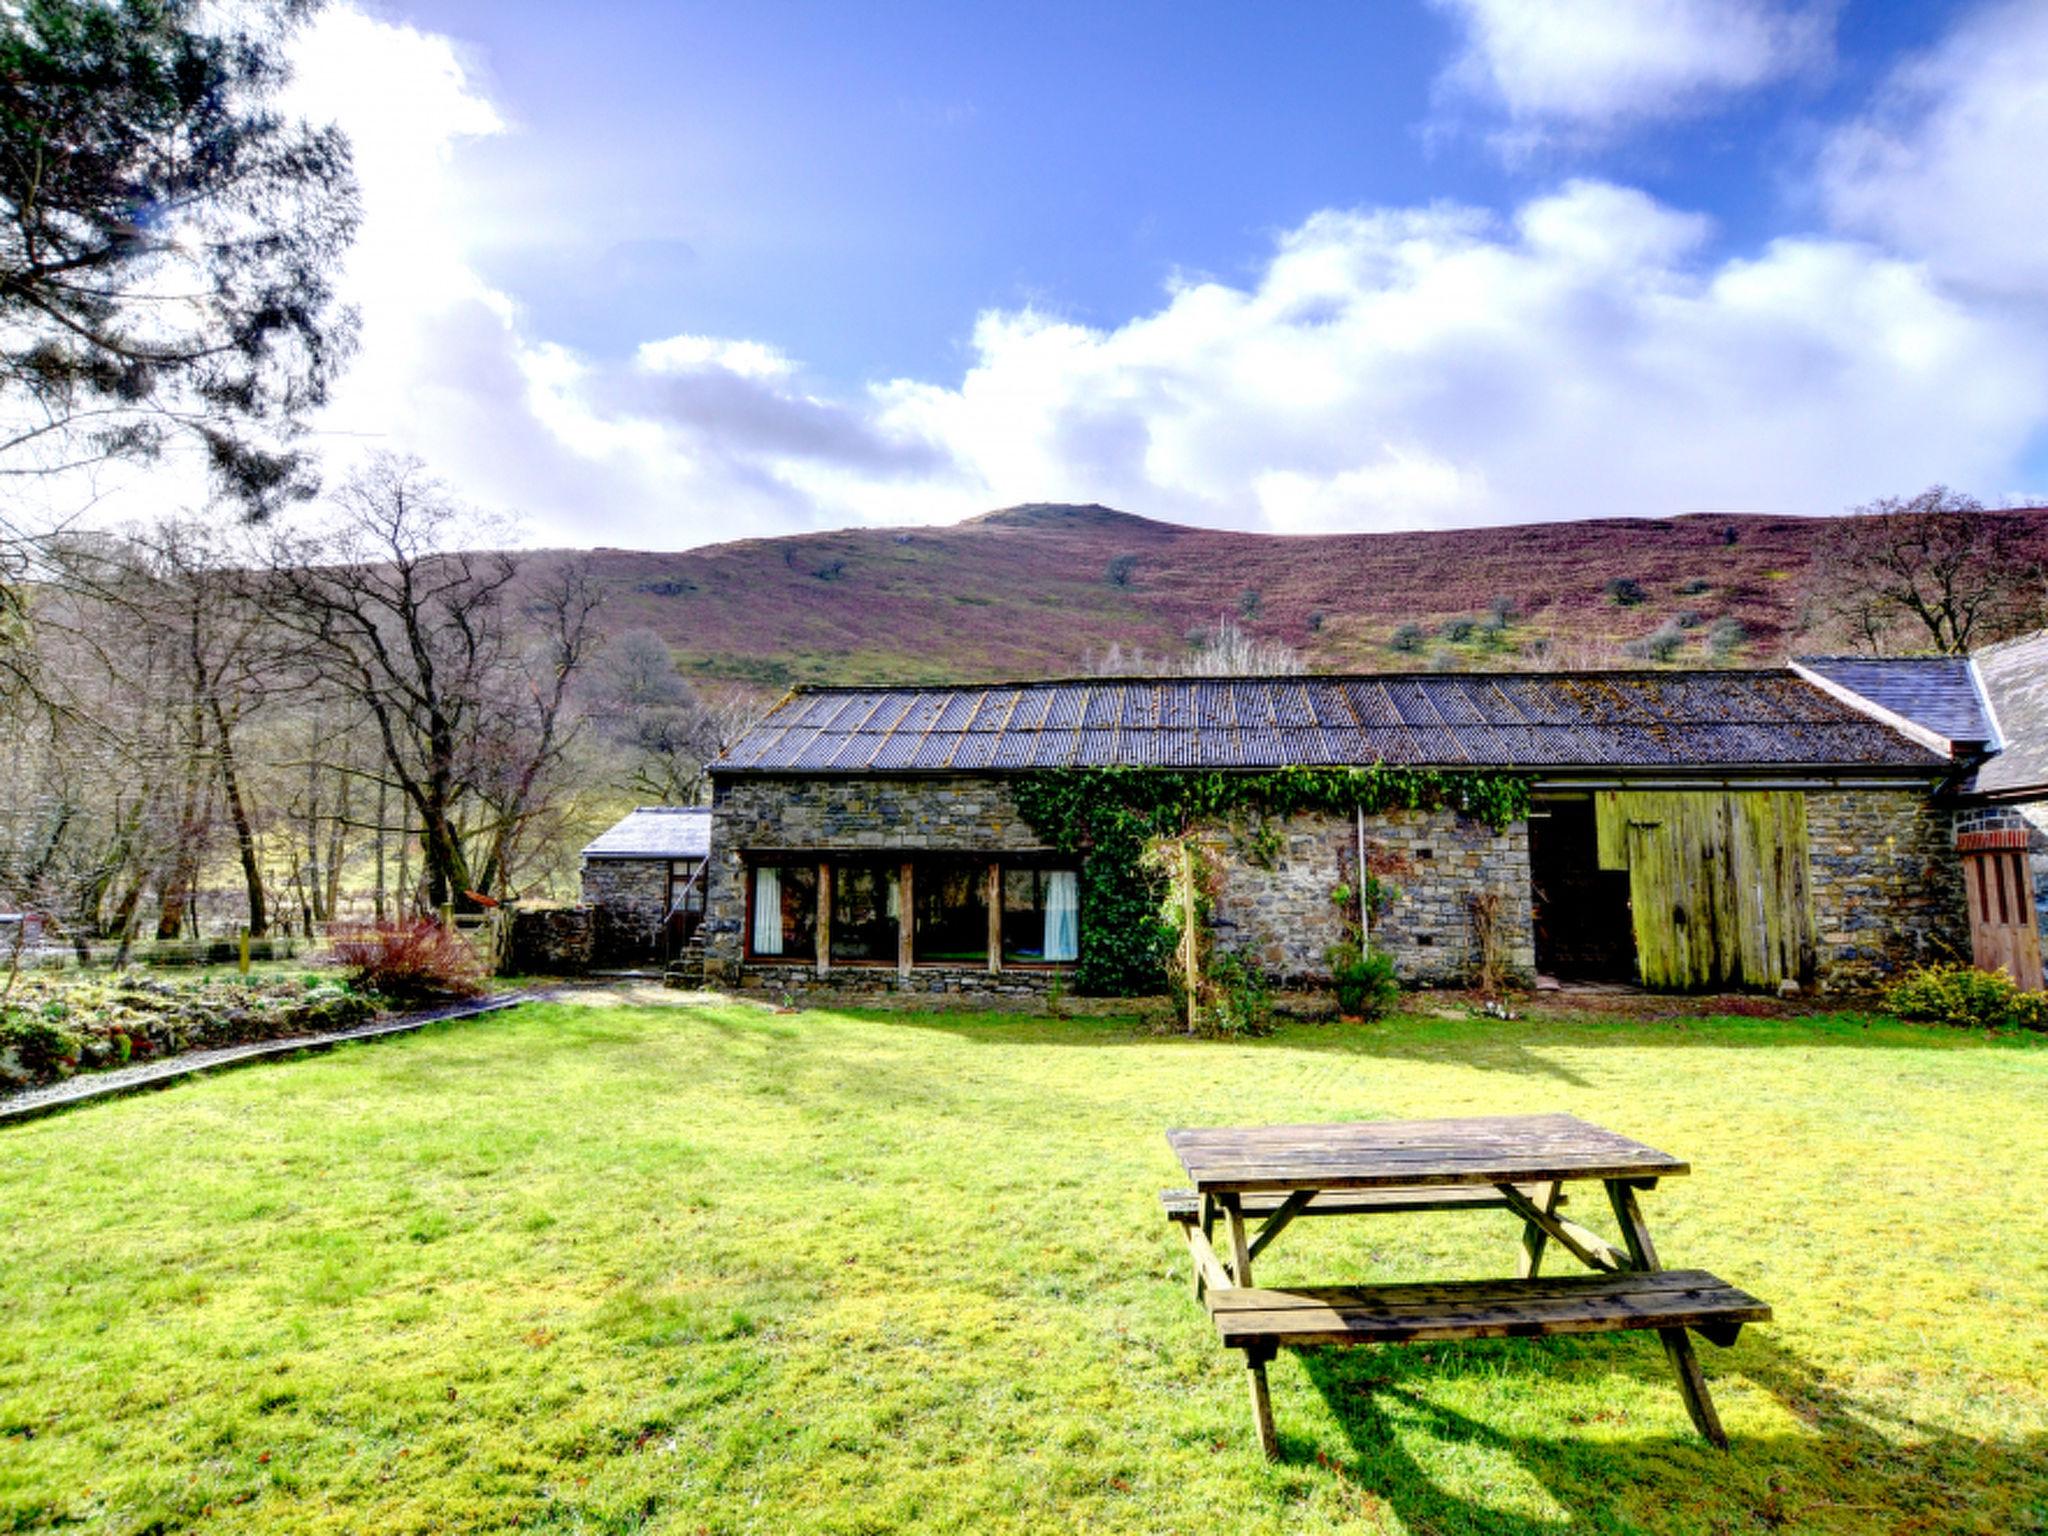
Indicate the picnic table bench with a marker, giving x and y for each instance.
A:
(1276, 1175)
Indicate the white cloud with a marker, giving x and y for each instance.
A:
(1400, 367)
(1951, 162)
(1586, 66)
(1387, 367)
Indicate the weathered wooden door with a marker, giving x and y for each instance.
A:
(1718, 891)
(2004, 935)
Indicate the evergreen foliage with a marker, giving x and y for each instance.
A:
(1113, 814)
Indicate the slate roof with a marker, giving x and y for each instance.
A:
(657, 832)
(1939, 693)
(1731, 719)
(2015, 676)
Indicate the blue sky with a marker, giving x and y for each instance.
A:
(659, 273)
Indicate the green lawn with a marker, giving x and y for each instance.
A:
(618, 1268)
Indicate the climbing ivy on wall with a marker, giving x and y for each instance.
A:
(1113, 814)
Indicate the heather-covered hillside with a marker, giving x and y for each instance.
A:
(1031, 591)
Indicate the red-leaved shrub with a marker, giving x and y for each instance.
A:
(409, 961)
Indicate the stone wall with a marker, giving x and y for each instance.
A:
(1282, 918)
(552, 941)
(963, 813)
(630, 898)
(1887, 886)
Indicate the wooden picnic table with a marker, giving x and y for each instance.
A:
(1277, 1174)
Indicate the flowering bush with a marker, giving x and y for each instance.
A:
(409, 961)
(1965, 996)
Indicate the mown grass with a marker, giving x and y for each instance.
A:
(621, 1268)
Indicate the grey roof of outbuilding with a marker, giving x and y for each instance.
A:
(2015, 676)
(1939, 693)
(1729, 719)
(657, 832)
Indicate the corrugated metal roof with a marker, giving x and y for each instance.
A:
(1936, 692)
(2015, 675)
(1731, 719)
(657, 832)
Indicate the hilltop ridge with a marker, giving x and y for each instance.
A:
(1033, 590)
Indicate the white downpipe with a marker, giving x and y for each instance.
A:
(1364, 917)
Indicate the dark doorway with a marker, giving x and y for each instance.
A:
(1584, 929)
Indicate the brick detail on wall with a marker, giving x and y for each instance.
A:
(2030, 817)
(1887, 885)
(630, 899)
(1283, 919)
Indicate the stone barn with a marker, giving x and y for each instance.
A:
(644, 881)
(1684, 830)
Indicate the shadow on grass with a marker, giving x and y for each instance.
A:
(1853, 1461)
(1519, 1048)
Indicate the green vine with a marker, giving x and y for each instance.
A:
(1112, 814)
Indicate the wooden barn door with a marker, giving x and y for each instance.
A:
(2003, 933)
(1718, 890)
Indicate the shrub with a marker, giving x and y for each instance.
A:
(40, 1045)
(1505, 611)
(1121, 570)
(1316, 621)
(1660, 644)
(1694, 586)
(1459, 630)
(1625, 591)
(1239, 1001)
(409, 961)
(1406, 637)
(1248, 602)
(1363, 980)
(1966, 997)
(1726, 636)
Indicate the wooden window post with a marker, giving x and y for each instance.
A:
(995, 917)
(823, 925)
(906, 921)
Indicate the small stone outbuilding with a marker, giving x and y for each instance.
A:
(644, 881)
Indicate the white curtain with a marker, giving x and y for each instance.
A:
(895, 898)
(1062, 915)
(767, 910)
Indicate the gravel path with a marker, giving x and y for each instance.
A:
(84, 1089)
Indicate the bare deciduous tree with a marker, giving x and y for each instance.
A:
(1934, 571)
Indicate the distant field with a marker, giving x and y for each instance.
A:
(1028, 592)
(612, 1268)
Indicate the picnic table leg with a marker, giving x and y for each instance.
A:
(1255, 1359)
(1240, 1245)
(1534, 1238)
(1692, 1383)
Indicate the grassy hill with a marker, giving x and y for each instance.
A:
(1031, 591)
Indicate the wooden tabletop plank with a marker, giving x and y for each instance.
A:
(1380, 1154)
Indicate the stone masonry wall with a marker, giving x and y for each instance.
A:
(1283, 919)
(630, 897)
(1887, 886)
(552, 941)
(953, 814)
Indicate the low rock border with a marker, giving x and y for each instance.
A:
(51, 1098)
